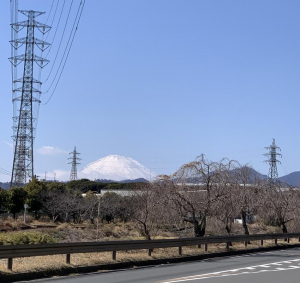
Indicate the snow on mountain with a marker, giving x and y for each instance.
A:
(117, 168)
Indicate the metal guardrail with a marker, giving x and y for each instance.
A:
(14, 251)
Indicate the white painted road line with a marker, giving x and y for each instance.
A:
(240, 271)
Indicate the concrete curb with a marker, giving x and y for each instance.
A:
(65, 271)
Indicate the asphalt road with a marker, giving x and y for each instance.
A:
(282, 266)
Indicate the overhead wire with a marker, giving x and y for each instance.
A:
(4, 172)
(62, 36)
(37, 108)
(13, 19)
(54, 18)
(68, 50)
(4, 169)
(62, 9)
(40, 69)
(11, 36)
(50, 12)
(14, 71)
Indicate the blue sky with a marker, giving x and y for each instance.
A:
(163, 81)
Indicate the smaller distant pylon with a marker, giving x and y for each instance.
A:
(272, 160)
(74, 162)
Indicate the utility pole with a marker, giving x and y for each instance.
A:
(272, 160)
(26, 96)
(74, 162)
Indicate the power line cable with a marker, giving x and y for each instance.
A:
(67, 54)
(4, 170)
(12, 35)
(59, 44)
(13, 19)
(5, 173)
(40, 69)
(55, 29)
(54, 18)
(50, 11)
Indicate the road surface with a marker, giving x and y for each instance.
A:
(282, 266)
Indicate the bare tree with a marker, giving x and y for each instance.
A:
(247, 196)
(200, 184)
(79, 209)
(278, 207)
(147, 204)
(224, 208)
(52, 203)
(91, 204)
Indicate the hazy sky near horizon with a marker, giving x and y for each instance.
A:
(163, 81)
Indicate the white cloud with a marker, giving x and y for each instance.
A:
(50, 150)
(60, 175)
(9, 144)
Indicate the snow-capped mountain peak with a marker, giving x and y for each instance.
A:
(117, 168)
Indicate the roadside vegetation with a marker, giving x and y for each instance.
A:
(202, 198)
(22, 238)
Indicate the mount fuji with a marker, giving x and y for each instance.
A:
(117, 168)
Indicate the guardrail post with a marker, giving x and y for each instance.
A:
(150, 252)
(288, 240)
(275, 241)
(205, 247)
(299, 240)
(227, 246)
(9, 263)
(199, 246)
(246, 243)
(114, 255)
(261, 242)
(180, 250)
(68, 259)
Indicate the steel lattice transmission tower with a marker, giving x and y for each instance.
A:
(74, 162)
(272, 160)
(26, 96)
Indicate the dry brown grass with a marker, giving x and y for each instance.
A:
(58, 261)
(9, 224)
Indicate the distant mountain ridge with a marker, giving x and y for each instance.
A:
(253, 175)
(292, 179)
(5, 186)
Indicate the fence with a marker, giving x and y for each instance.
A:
(15, 251)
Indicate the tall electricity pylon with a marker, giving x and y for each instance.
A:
(272, 160)
(74, 162)
(26, 96)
